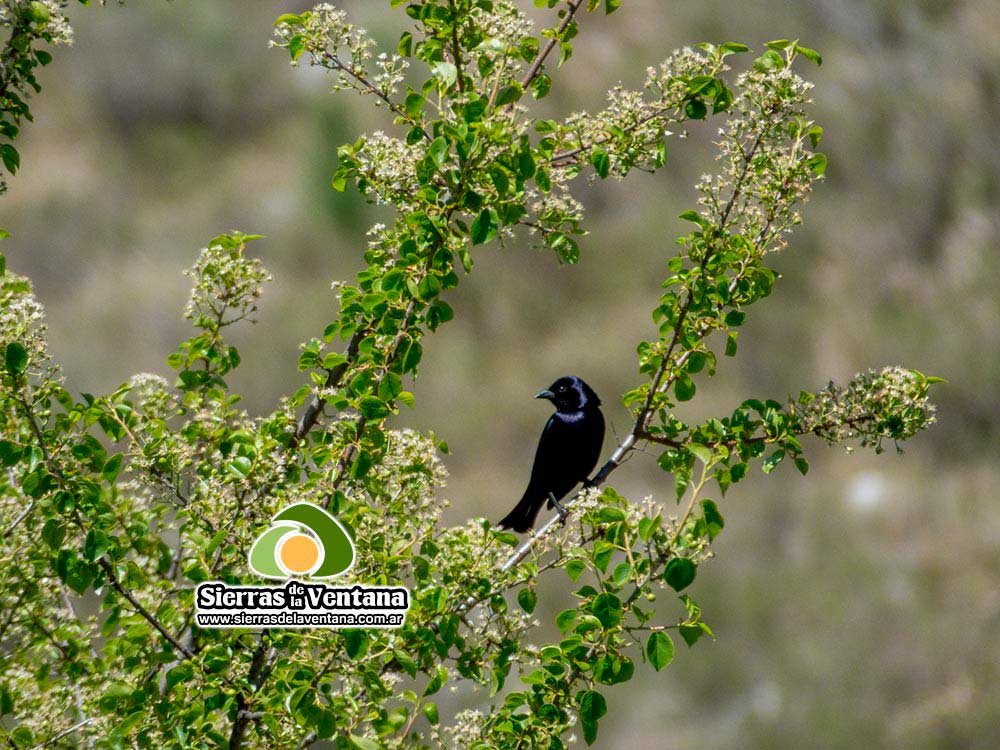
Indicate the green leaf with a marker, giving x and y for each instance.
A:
(485, 226)
(769, 61)
(541, 86)
(565, 620)
(112, 468)
(608, 609)
(592, 708)
(527, 599)
(373, 408)
(363, 743)
(734, 47)
(446, 72)
(438, 150)
(240, 466)
(809, 54)
(610, 6)
(680, 573)
(772, 461)
(684, 388)
(296, 46)
(508, 95)
(404, 48)
(430, 710)
(11, 159)
(601, 162)
(695, 109)
(16, 359)
(53, 533)
(574, 568)
(713, 518)
(414, 104)
(731, 344)
(817, 163)
(659, 650)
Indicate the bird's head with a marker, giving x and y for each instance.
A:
(570, 394)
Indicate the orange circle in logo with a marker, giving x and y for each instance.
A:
(299, 553)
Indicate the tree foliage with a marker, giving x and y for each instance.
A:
(113, 507)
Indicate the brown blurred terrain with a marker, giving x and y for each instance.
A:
(858, 606)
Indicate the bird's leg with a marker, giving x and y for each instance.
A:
(563, 513)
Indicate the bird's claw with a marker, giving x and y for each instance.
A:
(563, 513)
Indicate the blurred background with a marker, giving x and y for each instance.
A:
(858, 606)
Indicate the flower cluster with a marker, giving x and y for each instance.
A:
(390, 73)
(22, 319)
(330, 40)
(386, 168)
(630, 131)
(227, 284)
(876, 405)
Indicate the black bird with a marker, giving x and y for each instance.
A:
(567, 450)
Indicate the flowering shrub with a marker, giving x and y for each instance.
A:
(113, 508)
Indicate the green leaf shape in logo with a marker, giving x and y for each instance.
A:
(338, 545)
(262, 558)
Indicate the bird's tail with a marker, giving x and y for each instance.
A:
(522, 518)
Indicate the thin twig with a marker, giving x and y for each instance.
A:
(536, 66)
(64, 733)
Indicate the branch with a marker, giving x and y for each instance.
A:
(65, 733)
(333, 378)
(559, 160)
(338, 65)
(536, 66)
(256, 676)
(659, 385)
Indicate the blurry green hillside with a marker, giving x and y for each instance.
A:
(858, 607)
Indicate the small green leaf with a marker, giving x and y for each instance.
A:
(430, 710)
(527, 599)
(817, 163)
(363, 743)
(772, 461)
(680, 573)
(684, 388)
(713, 518)
(373, 408)
(508, 95)
(809, 54)
(601, 162)
(659, 650)
(446, 72)
(731, 344)
(608, 609)
(16, 359)
(592, 708)
(695, 109)
(438, 150)
(112, 468)
(574, 568)
(485, 227)
(296, 46)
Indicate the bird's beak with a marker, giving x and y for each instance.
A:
(546, 394)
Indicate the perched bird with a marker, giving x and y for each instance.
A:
(567, 450)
